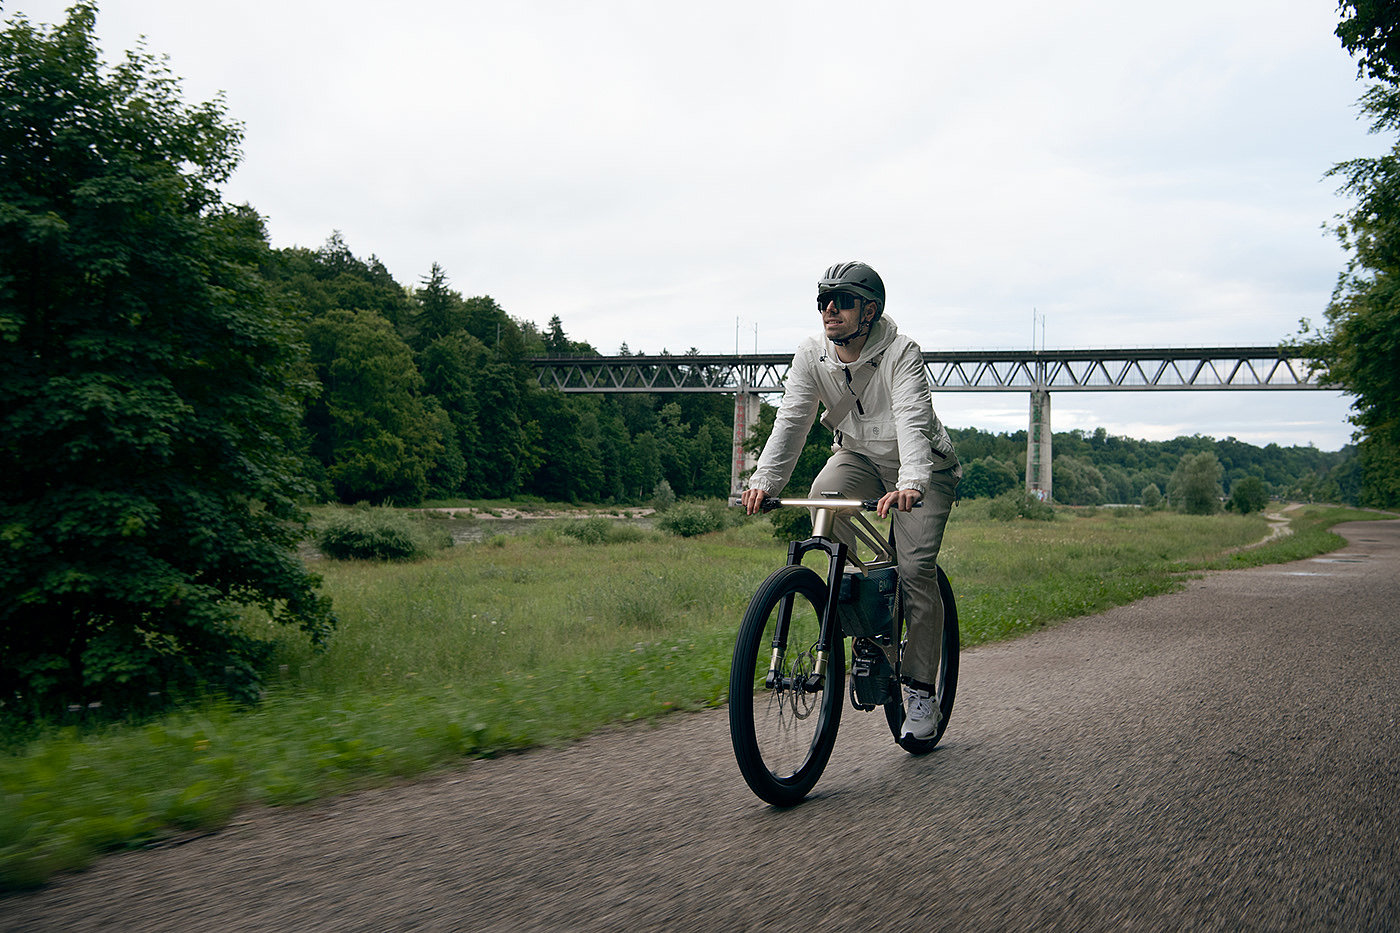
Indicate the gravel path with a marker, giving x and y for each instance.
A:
(1222, 758)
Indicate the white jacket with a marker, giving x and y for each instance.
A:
(894, 423)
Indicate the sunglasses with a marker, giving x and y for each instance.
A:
(845, 301)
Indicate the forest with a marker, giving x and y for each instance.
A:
(421, 394)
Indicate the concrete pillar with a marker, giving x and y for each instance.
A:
(1038, 453)
(745, 421)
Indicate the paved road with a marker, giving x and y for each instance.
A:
(1222, 758)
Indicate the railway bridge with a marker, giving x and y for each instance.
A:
(1035, 372)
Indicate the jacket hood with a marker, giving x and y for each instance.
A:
(881, 336)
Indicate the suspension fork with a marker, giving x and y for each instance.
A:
(830, 631)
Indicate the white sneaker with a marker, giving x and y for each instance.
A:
(921, 714)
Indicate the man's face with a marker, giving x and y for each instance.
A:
(841, 313)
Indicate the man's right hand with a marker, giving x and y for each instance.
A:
(753, 500)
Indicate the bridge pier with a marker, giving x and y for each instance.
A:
(745, 421)
(1038, 452)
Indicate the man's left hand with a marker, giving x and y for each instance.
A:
(901, 499)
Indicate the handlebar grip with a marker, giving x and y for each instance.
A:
(870, 505)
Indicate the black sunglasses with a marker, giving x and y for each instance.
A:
(845, 301)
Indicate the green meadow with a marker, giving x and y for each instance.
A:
(537, 639)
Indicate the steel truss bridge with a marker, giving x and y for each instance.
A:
(951, 371)
(1037, 372)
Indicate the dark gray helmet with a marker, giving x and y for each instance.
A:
(854, 277)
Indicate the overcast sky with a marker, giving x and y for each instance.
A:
(678, 175)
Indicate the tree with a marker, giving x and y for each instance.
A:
(332, 277)
(1370, 31)
(1151, 496)
(1195, 486)
(373, 431)
(440, 309)
(447, 366)
(147, 417)
(1248, 495)
(555, 340)
(1359, 346)
(1078, 482)
(987, 478)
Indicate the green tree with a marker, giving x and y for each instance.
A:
(1248, 495)
(1151, 496)
(987, 478)
(147, 420)
(555, 340)
(1195, 486)
(1359, 345)
(569, 468)
(641, 469)
(1370, 31)
(374, 433)
(1078, 482)
(440, 310)
(317, 281)
(448, 366)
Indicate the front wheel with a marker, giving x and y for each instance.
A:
(947, 678)
(783, 720)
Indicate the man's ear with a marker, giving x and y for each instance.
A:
(869, 311)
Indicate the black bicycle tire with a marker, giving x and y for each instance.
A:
(749, 647)
(952, 640)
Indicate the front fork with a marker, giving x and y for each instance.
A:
(831, 625)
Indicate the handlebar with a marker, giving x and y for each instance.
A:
(864, 505)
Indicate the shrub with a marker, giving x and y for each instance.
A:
(1020, 504)
(691, 518)
(587, 530)
(595, 530)
(663, 496)
(365, 533)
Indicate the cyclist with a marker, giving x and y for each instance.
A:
(889, 444)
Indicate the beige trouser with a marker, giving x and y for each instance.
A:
(918, 534)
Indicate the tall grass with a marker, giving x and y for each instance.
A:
(515, 642)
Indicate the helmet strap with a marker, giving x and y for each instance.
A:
(863, 328)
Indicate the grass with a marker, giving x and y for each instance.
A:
(533, 640)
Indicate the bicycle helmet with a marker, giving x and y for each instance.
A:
(858, 279)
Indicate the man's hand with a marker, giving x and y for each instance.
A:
(753, 500)
(901, 499)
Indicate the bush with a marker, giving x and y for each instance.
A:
(691, 518)
(1020, 504)
(791, 524)
(365, 533)
(595, 530)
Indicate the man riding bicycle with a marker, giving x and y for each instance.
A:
(889, 443)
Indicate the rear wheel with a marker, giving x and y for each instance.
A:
(947, 678)
(783, 722)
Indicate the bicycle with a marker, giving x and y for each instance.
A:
(783, 714)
